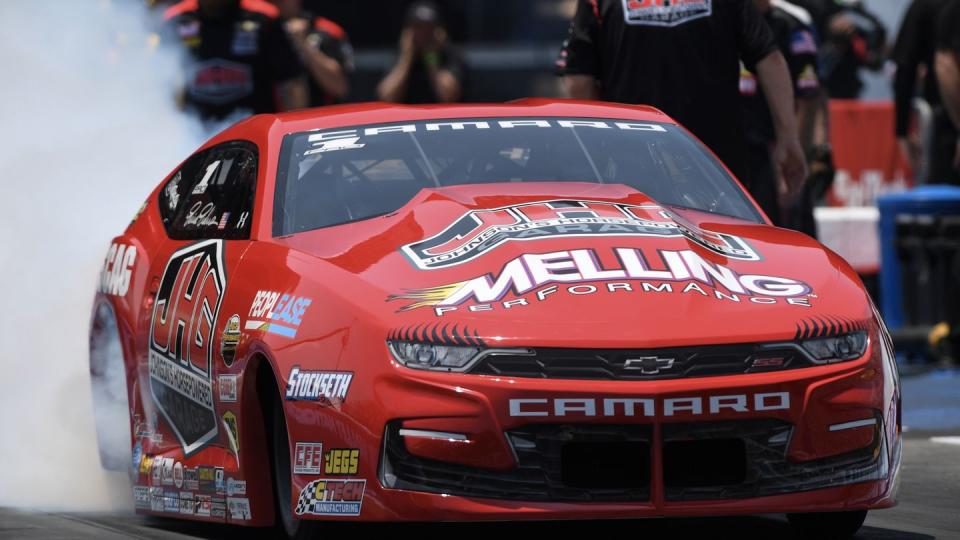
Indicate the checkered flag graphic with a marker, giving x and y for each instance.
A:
(307, 498)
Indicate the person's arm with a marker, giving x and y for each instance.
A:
(774, 78)
(324, 70)
(948, 77)
(293, 94)
(393, 87)
(906, 56)
(445, 83)
(579, 59)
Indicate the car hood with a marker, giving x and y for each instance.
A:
(582, 264)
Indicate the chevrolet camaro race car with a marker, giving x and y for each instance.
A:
(537, 310)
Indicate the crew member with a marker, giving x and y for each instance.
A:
(428, 68)
(684, 59)
(239, 60)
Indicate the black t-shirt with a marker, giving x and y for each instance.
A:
(331, 39)
(235, 62)
(798, 44)
(948, 33)
(420, 87)
(915, 46)
(683, 59)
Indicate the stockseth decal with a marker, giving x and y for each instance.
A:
(649, 407)
(307, 458)
(228, 388)
(326, 387)
(181, 342)
(341, 461)
(664, 12)
(277, 313)
(331, 498)
(229, 340)
(117, 269)
(532, 277)
(480, 231)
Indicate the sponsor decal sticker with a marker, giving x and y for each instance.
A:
(228, 388)
(117, 269)
(146, 465)
(137, 456)
(167, 471)
(277, 313)
(534, 277)
(326, 497)
(326, 387)
(180, 348)
(307, 458)
(665, 12)
(239, 508)
(233, 433)
(141, 497)
(341, 461)
(649, 407)
(156, 499)
(186, 503)
(236, 487)
(171, 503)
(178, 475)
(203, 503)
(480, 231)
(211, 479)
(230, 339)
(191, 479)
(218, 507)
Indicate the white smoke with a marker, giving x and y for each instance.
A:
(87, 128)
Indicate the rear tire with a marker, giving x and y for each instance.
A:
(828, 525)
(108, 385)
(287, 523)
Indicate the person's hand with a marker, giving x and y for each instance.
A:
(788, 155)
(297, 29)
(841, 25)
(911, 152)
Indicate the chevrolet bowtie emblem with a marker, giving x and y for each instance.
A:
(648, 365)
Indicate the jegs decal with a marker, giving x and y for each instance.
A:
(117, 269)
(331, 498)
(341, 461)
(181, 342)
(480, 231)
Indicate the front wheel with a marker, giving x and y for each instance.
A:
(294, 528)
(828, 525)
(108, 386)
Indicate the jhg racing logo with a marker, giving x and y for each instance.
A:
(664, 12)
(181, 339)
(480, 231)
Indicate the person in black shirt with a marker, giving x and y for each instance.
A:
(238, 58)
(684, 59)
(324, 50)
(428, 69)
(916, 44)
(948, 69)
(796, 41)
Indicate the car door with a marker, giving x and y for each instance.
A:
(206, 209)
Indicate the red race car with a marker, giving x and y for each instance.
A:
(538, 310)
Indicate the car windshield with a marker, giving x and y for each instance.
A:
(334, 176)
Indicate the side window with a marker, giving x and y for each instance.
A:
(212, 194)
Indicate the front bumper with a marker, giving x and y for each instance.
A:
(509, 463)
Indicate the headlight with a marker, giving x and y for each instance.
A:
(837, 348)
(436, 357)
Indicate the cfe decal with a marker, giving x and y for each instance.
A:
(534, 277)
(117, 268)
(277, 313)
(664, 12)
(331, 498)
(480, 231)
(181, 342)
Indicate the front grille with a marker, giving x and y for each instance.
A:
(645, 364)
(555, 463)
(611, 463)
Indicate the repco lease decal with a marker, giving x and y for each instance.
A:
(480, 231)
(181, 342)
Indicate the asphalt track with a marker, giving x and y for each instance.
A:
(929, 499)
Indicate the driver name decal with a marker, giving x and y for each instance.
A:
(181, 342)
(480, 231)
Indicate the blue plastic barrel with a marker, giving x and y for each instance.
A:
(930, 200)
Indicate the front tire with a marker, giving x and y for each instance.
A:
(828, 525)
(293, 528)
(108, 385)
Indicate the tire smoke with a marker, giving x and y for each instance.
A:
(89, 128)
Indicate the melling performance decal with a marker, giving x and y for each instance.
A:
(480, 231)
(181, 342)
(536, 277)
